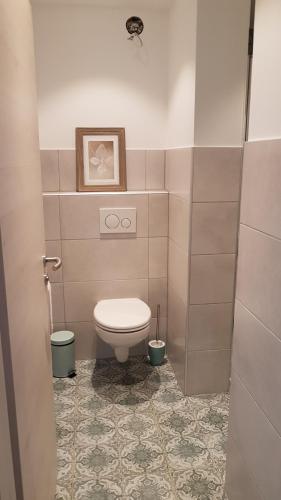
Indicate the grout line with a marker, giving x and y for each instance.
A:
(133, 192)
(215, 349)
(237, 202)
(259, 407)
(212, 254)
(277, 238)
(189, 257)
(211, 303)
(59, 170)
(271, 332)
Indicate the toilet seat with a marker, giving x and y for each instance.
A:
(132, 330)
(122, 315)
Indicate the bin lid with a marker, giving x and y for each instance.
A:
(62, 337)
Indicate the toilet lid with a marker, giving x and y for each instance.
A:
(122, 314)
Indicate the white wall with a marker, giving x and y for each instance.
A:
(221, 69)
(90, 75)
(182, 55)
(265, 110)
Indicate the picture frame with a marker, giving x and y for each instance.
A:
(100, 159)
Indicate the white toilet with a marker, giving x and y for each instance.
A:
(122, 323)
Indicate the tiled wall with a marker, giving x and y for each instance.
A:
(214, 222)
(254, 454)
(178, 183)
(204, 193)
(145, 170)
(94, 267)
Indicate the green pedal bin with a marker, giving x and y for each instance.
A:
(63, 354)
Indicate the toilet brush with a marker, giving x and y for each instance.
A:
(156, 348)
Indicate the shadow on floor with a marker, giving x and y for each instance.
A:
(136, 379)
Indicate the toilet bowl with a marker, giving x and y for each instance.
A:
(122, 323)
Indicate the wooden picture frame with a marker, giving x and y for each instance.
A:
(100, 159)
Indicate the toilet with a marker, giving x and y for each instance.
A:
(122, 323)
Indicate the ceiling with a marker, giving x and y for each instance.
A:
(146, 4)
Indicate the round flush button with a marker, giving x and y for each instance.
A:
(112, 221)
(125, 223)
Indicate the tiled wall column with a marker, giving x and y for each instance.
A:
(254, 448)
(96, 268)
(204, 193)
(214, 228)
(178, 183)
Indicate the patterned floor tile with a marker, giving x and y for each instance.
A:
(185, 452)
(95, 430)
(136, 426)
(101, 460)
(141, 456)
(65, 465)
(174, 422)
(89, 405)
(64, 407)
(199, 483)
(126, 432)
(65, 433)
(98, 489)
(148, 487)
(63, 493)
(64, 386)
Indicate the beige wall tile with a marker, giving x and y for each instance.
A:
(178, 175)
(162, 329)
(135, 161)
(261, 187)
(50, 170)
(81, 298)
(239, 483)
(178, 269)
(157, 294)
(217, 174)
(210, 326)
(179, 221)
(51, 217)
(86, 341)
(57, 327)
(86, 260)
(212, 278)
(259, 276)
(58, 302)
(53, 249)
(257, 440)
(176, 334)
(155, 169)
(256, 358)
(158, 214)
(214, 228)
(80, 213)
(67, 170)
(158, 257)
(208, 371)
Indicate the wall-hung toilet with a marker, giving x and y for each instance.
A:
(122, 323)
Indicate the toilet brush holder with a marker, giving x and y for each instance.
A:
(156, 348)
(156, 352)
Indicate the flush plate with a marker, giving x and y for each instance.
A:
(118, 220)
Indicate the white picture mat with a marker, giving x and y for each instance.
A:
(86, 160)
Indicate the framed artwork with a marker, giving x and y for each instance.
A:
(100, 159)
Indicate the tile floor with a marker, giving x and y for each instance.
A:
(127, 432)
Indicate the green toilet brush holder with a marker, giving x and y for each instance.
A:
(157, 348)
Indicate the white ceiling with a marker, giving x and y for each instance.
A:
(147, 4)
